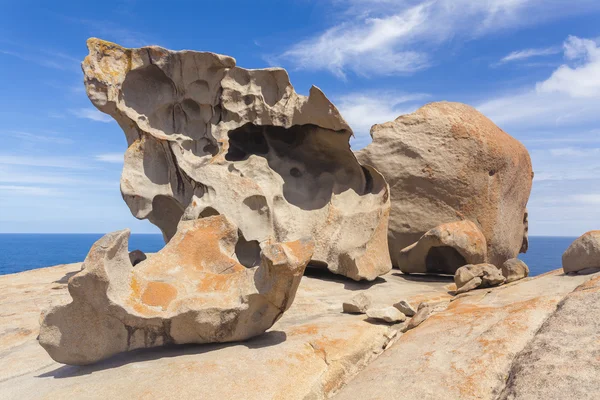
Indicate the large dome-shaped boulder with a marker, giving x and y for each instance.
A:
(447, 162)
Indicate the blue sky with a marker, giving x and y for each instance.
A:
(532, 66)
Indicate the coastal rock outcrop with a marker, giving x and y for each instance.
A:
(477, 276)
(195, 290)
(583, 253)
(444, 249)
(448, 162)
(206, 137)
(514, 269)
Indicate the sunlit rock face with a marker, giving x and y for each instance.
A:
(447, 162)
(195, 290)
(206, 137)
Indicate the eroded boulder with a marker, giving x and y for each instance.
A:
(195, 290)
(583, 253)
(206, 137)
(514, 270)
(448, 162)
(444, 249)
(477, 276)
(386, 314)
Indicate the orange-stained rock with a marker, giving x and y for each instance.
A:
(195, 290)
(206, 137)
(444, 249)
(448, 162)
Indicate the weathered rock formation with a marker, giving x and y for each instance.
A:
(514, 269)
(195, 290)
(444, 249)
(477, 276)
(206, 137)
(447, 162)
(583, 253)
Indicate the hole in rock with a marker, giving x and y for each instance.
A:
(313, 162)
(247, 251)
(208, 212)
(492, 172)
(166, 213)
(444, 260)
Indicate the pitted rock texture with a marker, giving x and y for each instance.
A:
(444, 249)
(448, 162)
(583, 253)
(195, 290)
(206, 137)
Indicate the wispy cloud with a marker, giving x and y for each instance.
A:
(91, 114)
(521, 55)
(365, 109)
(29, 190)
(385, 37)
(116, 158)
(31, 137)
(49, 59)
(45, 161)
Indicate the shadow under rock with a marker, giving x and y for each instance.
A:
(424, 277)
(267, 339)
(324, 274)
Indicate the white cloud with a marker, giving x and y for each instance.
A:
(363, 110)
(569, 97)
(384, 37)
(589, 198)
(528, 53)
(582, 81)
(116, 158)
(91, 114)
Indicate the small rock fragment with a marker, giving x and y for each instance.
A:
(419, 317)
(405, 308)
(358, 304)
(514, 269)
(387, 314)
(471, 277)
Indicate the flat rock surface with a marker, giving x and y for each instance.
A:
(310, 353)
(563, 360)
(467, 351)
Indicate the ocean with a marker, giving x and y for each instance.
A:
(22, 252)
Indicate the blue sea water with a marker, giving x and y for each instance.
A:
(22, 252)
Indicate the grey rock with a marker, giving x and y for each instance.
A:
(419, 317)
(405, 308)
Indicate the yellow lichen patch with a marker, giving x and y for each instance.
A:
(159, 294)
